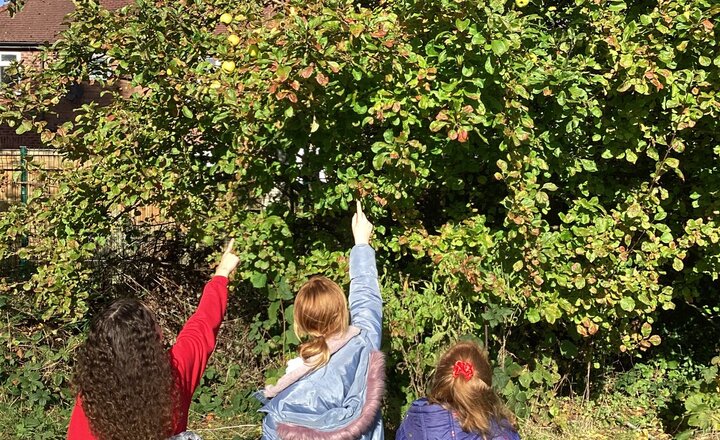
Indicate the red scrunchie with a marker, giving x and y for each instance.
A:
(463, 368)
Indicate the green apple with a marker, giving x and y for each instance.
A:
(228, 66)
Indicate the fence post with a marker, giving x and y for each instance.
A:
(23, 197)
(23, 175)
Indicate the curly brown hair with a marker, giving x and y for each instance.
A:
(124, 375)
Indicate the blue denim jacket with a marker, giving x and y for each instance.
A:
(333, 398)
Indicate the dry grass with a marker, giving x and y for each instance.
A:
(606, 419)
(237, 428)
(575, 420)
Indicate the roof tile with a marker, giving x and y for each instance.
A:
(40, 21)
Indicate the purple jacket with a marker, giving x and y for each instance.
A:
(426, 421)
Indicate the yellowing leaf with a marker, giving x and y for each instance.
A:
(672, 162)
(678, 264)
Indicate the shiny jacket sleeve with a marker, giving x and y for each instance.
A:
(365, 300)
(269, 429)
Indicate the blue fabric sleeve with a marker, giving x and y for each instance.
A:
(365, 300)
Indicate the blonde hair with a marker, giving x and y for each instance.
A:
(321, 311)
(474, 402)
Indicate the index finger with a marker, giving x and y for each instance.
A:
(230, 245)
(359, 207)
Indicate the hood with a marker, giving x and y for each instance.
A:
(334, 344)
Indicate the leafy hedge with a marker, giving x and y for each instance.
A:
(542, 176)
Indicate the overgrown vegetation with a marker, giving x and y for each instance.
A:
(542, 177)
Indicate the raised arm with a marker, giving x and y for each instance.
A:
(365, 299)
(196, 341)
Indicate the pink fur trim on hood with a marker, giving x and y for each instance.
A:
(334, 344)
(359, 426)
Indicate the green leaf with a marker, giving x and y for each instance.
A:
(462, 25)
(24, 127)
(568, 349)
(283, 72)
(678, 264)
(634, 210)
(258, 280)
(357, 29)
(627, 304)
(589, 165)
(436, 126)
(499, 47)
(186, 111)
(693, 402)
(580, 283)
(672, 162)
(617, 6)
(533, 316)
(577, 93)
(626, 60)
(489, 68)
(379, 160)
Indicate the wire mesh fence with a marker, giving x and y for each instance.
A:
(22, 170)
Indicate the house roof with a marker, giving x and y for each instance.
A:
(40, 21)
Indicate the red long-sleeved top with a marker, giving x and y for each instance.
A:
(189, 355)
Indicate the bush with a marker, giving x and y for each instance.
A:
(543, 177)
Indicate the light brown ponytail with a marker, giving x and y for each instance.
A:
(320, 312)
(315, 352)
(463, 384)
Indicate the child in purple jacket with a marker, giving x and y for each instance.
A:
(462, 404)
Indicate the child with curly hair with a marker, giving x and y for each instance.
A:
(128, 385)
